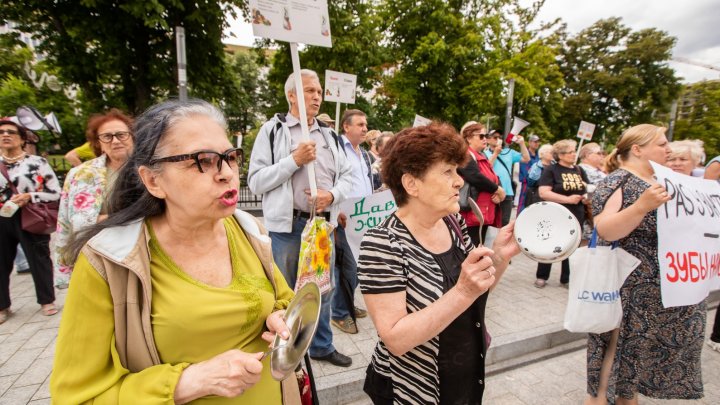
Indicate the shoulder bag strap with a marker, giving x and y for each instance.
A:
(505, 166)
(4, 171)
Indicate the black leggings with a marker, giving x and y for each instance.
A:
(715, 335)
(543, 271)
(37, 251)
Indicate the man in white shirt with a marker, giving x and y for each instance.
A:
(278, 171)
(344, 312)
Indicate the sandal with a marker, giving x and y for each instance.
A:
(49, 309)
(4, 315)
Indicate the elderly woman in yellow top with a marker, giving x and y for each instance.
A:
(175, 295)
(82, 201)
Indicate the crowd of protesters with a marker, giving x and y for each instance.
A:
(152, 248)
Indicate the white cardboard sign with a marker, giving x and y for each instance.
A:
(365, 213)
(340, 87)
(421, 121)
(688, 229)
(300, 21)
(586, 130)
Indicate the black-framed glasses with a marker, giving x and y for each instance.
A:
(107, 137)
(9, 132)
(205, 160)
(482, 135)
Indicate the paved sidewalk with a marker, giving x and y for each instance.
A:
(561, 380)
(520, 317)
(27, 344)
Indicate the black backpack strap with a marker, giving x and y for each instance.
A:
(366, 157)
(276, 128)
(281, 118)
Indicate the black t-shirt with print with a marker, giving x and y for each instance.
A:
(566, 181)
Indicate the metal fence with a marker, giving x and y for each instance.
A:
(247, 199)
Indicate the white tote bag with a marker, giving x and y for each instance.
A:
(598, 272)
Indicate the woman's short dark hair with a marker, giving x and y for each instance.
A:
(129, 200)
(21, 129)
(415, 150)
(97, 120)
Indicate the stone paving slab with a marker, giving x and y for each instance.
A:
(27, 344)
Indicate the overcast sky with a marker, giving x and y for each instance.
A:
(692, 22)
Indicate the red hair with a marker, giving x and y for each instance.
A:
(97, 120)
(415, 150)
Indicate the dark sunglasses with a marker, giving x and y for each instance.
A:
(482, 135)
(107, 137)
(9, 132)
(205, 160)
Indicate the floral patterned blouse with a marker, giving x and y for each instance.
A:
(31, 175)
(80, 204)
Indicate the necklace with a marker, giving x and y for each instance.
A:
(14, 159)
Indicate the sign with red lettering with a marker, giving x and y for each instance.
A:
(688, 229)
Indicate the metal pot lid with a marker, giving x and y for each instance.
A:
(301, 317)
(547, 232)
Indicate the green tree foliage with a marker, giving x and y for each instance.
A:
(18, 89)
(615, 77)
(701, 116)
(122, 54)
(452, 61)
(245, 94)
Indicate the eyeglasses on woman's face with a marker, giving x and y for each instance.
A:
(206, 160)
(9, 132)
(107, 137)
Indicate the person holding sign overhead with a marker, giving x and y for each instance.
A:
(655, 351)
(278, 171)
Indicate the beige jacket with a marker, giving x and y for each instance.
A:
(121, 256)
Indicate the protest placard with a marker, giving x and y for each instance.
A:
(585, 132)
(365, 213)
(340, 87)
(300, 21)
(688, 228)
(421, 121)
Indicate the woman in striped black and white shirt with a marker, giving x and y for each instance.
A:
(424, 283)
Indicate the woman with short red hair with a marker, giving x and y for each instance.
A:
(424, 282)
(82, 201)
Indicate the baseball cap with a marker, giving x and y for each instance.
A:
(325, 118)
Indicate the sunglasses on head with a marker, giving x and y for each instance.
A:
(206, 160)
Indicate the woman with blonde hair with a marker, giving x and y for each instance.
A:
(655, 351)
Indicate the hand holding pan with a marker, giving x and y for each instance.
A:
(301, 316)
